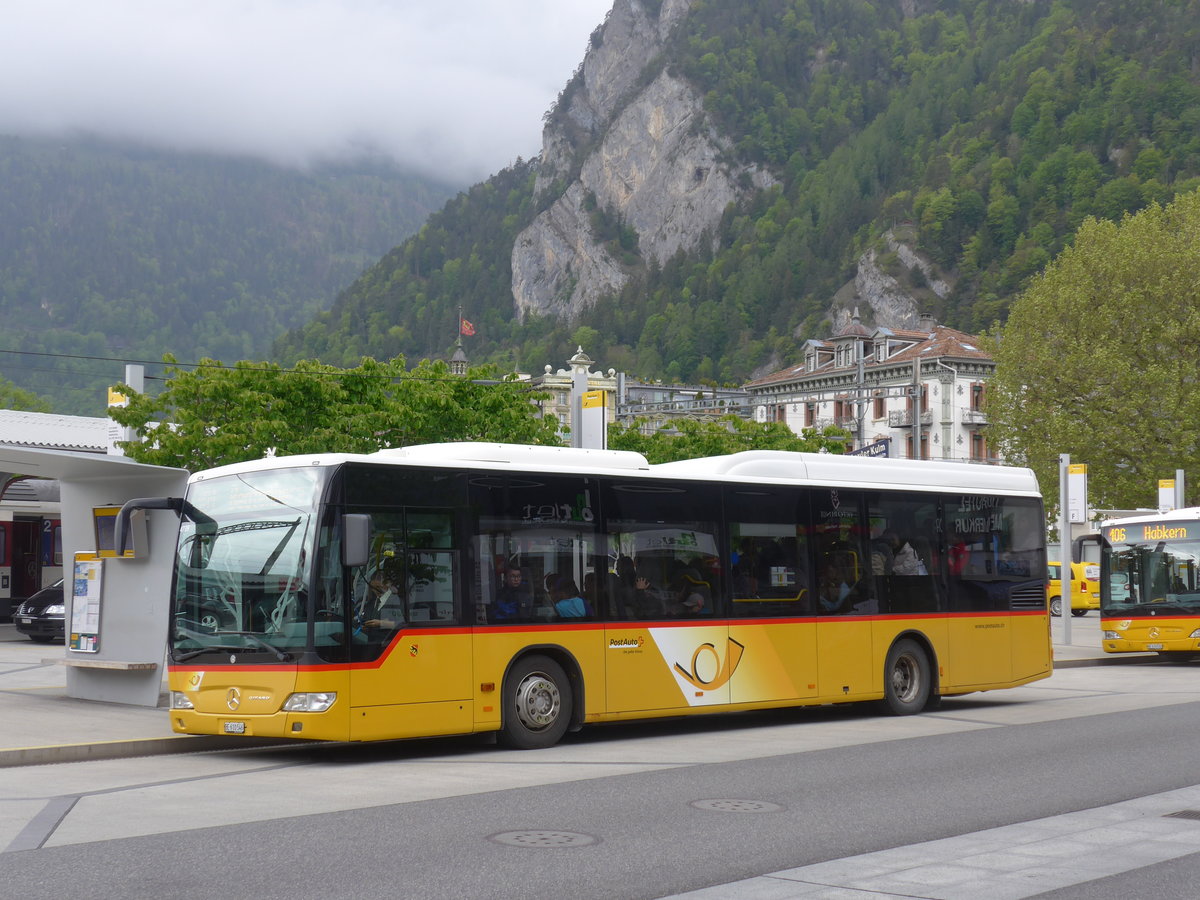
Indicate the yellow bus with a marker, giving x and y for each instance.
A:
(1150, 583)
(466, 588)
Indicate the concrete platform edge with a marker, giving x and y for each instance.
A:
(63, 753)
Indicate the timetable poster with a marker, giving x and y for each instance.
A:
(86, 588)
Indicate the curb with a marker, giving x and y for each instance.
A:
(1121, 660)
(61, 753)
(183, 743)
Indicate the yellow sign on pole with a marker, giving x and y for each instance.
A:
(593, 430)
(1166, 493)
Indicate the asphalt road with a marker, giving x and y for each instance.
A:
(634, 811)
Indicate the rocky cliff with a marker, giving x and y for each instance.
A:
(883, 298)
(632, 142)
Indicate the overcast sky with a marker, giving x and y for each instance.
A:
(455, 89)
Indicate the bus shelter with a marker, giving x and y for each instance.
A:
(116, 605)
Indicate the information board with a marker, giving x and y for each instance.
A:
(87, 583)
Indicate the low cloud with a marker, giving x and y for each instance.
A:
(454, 90)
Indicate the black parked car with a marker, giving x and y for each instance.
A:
(42, 615)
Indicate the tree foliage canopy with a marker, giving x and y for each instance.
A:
(1098, 358)
(221, 414)
(13, 397)
(693, 438)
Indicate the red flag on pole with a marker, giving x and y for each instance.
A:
(466, 327)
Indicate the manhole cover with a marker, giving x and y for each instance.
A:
(543, 839)
(739, 806)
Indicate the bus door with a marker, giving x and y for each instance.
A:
(846, 595)
(772, 631)
(411, 670)
(667, 643)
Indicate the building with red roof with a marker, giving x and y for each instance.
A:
(914, 394)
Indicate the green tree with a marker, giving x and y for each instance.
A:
(223, 414)
(693, 438)
(1098, 357)
(13, 397)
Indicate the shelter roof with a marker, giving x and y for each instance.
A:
(55, 432)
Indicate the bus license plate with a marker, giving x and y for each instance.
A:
(1154, 646)
(235, 727)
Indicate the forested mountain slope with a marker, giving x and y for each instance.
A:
(111, 251)
(715, 172)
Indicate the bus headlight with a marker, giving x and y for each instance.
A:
(311, 702)
(1111, 636)
(1195, 634)
(179, 700)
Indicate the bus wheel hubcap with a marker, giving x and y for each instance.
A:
(538, 701)
(906, 678)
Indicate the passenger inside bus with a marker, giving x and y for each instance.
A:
(567, 600)
(514, 599)
(692, 594)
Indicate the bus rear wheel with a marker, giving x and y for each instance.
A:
(537, 704)
(906, 679)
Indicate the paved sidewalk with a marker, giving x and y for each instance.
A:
(41, 724)
(1012, 862)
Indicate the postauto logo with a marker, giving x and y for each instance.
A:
(707, 660)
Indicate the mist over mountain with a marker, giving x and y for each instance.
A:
(120, 251)
(451, 94)
(720, 181)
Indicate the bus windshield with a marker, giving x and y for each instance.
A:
(1152, 577)
(241, 571)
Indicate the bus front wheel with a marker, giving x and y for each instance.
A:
(906, 679)
(537, 704)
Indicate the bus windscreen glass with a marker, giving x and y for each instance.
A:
(1151, 569)
(241, 573)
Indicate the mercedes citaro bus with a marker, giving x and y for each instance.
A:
(1150, 583)
(756, 580)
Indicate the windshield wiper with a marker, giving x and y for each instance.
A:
(223, 648)
(281, 655)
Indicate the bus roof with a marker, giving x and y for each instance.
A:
(752, 465)
(1188, 513)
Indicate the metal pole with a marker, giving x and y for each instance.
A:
(917, 409)
(859, 402)
(1064, 545)
(1179, 504)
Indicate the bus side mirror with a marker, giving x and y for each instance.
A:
(1079, 554)
(356, 539)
